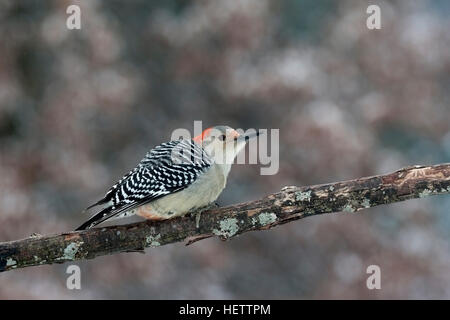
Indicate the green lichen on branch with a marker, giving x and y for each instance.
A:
(227, 228)
(71, 250)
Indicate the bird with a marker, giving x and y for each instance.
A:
(174, 178)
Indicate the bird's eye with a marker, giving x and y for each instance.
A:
(222, 137)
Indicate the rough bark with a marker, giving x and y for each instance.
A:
(291, 203)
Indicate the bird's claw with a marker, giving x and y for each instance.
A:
(198, 215)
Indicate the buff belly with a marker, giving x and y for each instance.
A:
(201, 193)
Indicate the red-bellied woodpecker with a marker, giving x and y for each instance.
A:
(174, 178)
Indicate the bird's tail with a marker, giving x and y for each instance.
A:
(96, 219)
(100, 202)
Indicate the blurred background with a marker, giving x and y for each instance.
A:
(79, 108)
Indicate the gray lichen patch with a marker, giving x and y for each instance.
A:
(425, 193)
(266, 218)
(303, 196)
(152, 241)
(11, 263)
(71, 250)
(227, 228)
(366, 203)
(349, 208)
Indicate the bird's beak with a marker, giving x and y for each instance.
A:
(247, 137)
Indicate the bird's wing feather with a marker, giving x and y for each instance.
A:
(166, 169)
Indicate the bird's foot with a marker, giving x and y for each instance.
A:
(198, 212)
(198, 215)
(210, 206)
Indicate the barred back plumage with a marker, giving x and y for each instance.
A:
(166, 169)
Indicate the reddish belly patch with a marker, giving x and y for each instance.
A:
(146, 212)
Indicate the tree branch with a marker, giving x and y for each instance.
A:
(291, 203)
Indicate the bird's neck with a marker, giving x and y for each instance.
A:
(224, 168)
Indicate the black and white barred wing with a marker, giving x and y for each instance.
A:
(166, 169)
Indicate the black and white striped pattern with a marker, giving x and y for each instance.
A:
(168, 168)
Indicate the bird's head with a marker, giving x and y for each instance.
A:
(223, 143)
